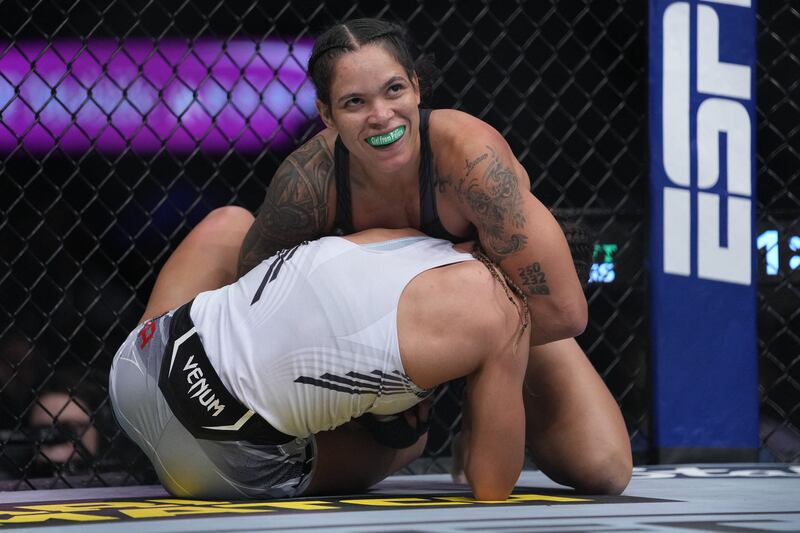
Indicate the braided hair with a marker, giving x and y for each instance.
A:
(350, 36)
(511, 289)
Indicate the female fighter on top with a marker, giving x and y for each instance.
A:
(382, 162)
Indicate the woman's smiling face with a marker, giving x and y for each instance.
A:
(374, 108)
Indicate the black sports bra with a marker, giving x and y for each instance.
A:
(429, 216)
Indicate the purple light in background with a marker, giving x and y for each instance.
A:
(146, 95)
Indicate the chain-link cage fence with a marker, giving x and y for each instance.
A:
(97, 191)
(778, 144)
(125, 122)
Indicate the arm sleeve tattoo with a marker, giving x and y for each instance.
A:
(295, 207)
(495, 201)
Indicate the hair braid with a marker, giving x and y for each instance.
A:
(510, 289)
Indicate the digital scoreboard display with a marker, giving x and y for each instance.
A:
(603, 268)
(779, 256)
(781, 253)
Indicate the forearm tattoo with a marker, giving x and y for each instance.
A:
(295, 207)
(496, 201)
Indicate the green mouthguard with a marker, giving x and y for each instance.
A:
(386, 138)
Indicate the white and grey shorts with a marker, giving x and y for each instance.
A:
(188, 466)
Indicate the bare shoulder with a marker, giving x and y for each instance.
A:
(444, 316)
(461, 142)
(479, 176)
(329, 137)
(453, 119)
(460, 132)
(297, 204)
(468, 293)
(318, 149)
(462, 305)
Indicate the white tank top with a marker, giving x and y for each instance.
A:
(308, 339)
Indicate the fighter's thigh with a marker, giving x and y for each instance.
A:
(574, 427)
(348, 459)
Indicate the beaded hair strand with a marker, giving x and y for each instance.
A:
(511, 289)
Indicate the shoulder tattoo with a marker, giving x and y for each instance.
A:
(496, 202)
(295, 206)
(474, 163)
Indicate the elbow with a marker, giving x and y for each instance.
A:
(491, 492)
(493, 481)
(563, 321)
(575, 318)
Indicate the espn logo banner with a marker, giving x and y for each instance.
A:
(702, 153)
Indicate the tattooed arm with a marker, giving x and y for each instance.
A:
(491, 190)
(296, 205)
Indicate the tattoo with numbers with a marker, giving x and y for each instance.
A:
(533, 279)
(295, 207)
(496, 201)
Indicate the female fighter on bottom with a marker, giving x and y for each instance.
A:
(247, 391)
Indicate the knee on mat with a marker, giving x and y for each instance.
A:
(606, 474)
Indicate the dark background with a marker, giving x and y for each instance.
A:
(83, 236)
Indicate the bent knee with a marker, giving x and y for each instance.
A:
(226, 219)
(606, 474)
